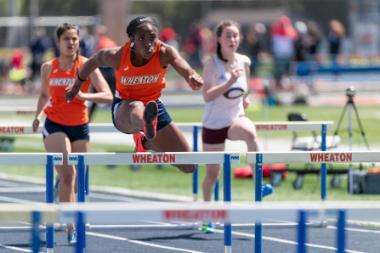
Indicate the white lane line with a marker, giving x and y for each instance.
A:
(359, 222)
(361, 230)
(15, 200)
(14, 248)
(22, 189)
(151, 226)
(4, 183)
(141, 243)
(15, 228)
(111, 197)
(274, 239)
(363, 223)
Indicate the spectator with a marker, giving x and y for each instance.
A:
(193, 45)
(17, 70)
(335, 37)
(283, 36)
(103, 40)
(254, 37)
(314, 40)
(38, 47)
(87, 43)
(301, 43)
(169, 36)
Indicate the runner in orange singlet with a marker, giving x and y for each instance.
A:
(141, 65)
(66, 126)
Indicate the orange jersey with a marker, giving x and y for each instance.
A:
(58, 110)
(143, 83)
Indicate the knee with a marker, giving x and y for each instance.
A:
(251, 138)
(137, 117)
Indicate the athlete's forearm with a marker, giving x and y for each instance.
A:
(98, 97)
(87, 68)
(215, 91)
(183, 68)
(41, 104)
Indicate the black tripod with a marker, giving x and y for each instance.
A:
(350, 105)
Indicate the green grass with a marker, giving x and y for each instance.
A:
(369, 116)
(172, 181)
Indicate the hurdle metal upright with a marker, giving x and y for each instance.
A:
(195, 173)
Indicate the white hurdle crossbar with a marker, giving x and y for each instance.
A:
(30, 158)
(236, 212)
(152, 158)
(25, 128)
(324, 157)
(316, 157)
(116, 213)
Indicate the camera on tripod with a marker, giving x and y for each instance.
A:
(350, 91)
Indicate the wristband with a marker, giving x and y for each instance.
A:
(80, 79)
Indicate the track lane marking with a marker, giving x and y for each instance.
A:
(14, 248)
(274, 239)
(118, 238)
(361, 230)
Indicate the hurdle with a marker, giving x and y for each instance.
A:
(273, 126)
(82, 159)
(303, 157)
(267, 126)
(34, 214)
(227, 213)
(25, 128)
(195, 128)
(20, 110)
(47, 159)
(116, 212)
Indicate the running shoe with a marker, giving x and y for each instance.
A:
(207, 228)
(56, 190)
(266, 190)
(138, 139)
(150, 120)
(72, 237)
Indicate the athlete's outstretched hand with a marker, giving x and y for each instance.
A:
(72, 90)
(35, 124)
(195, 81)
(236, 72)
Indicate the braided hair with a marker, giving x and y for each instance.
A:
(136, 23)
